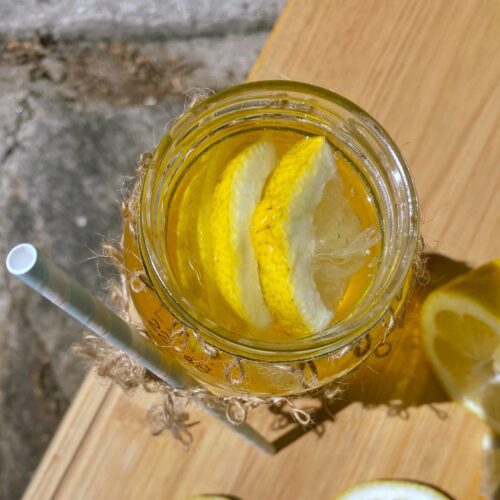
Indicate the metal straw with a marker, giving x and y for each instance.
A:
(26, 263)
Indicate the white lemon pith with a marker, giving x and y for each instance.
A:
(342, 245)
(392, 490)
(461, 335)
(234, 201)
(284, 240)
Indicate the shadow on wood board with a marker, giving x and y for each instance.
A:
(399, 381)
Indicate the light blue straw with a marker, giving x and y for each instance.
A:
(26, 263)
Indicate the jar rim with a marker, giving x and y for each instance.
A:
(332, 337)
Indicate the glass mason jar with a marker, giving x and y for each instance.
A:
(219, 358)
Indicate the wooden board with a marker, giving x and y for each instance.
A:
(429, 71)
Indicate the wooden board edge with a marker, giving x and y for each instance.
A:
(68, 438)
(254, 72)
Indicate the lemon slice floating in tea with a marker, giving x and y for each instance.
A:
(314, 236)
(233, 204)
(284, 240)
(461, 334)
(187, 239)
(392, 490)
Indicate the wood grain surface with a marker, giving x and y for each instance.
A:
(429, 71)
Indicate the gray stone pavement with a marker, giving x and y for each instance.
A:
(142, 19)
(78, 103)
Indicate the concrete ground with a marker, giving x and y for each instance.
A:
(85, 87)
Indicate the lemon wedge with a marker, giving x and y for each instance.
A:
(392, 490)
(234, 201)
(461, 335)
(284, 240)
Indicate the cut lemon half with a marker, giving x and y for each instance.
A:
(234, 201)
(461, 335)
(284, 240)
(392, 490)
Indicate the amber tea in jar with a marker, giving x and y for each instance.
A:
(276, 229)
